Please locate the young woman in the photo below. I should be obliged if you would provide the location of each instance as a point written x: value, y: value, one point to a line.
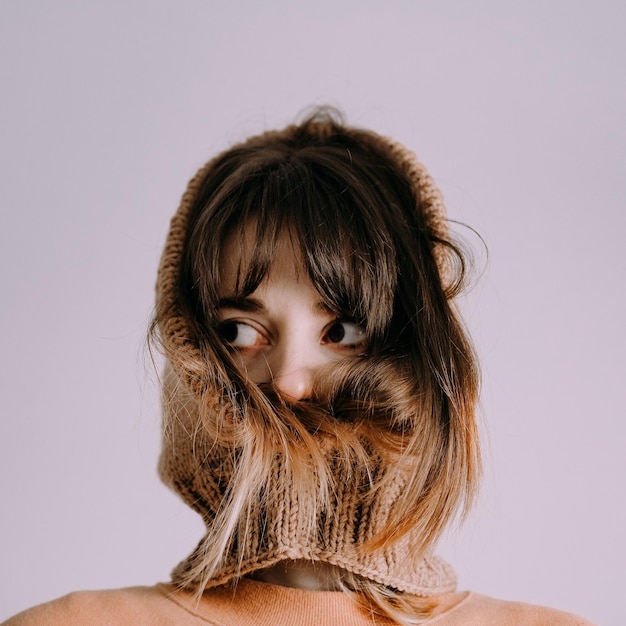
x: 318, y: 396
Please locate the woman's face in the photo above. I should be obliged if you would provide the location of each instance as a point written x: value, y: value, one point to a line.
x: 283, y: 332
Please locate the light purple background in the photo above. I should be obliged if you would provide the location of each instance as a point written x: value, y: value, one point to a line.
x: 107, y: 108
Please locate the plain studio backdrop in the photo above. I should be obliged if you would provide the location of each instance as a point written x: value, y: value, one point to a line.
x: 108, y: 108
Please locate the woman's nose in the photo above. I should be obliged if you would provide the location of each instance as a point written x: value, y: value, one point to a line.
x: 293, y: 383
x: 294, y: 386
x: 293, y: 371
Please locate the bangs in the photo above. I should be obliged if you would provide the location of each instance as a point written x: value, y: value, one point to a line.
x: 334, y: 228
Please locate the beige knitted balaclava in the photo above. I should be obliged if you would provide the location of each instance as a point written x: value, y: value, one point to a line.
x: 200, y: 471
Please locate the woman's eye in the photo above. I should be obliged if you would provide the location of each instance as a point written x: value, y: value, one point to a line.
x: 240, y: 334
x: 348, y: 334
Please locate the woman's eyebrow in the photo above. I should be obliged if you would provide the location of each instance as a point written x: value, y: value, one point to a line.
x: 249, y: 305
x: 320, y: 307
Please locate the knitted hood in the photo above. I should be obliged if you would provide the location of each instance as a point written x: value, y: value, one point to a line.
x: 201, y: 470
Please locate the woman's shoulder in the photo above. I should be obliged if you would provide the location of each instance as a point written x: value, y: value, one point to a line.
x: 486, y: 611
x: 133, y: 605
x: 160, y: 605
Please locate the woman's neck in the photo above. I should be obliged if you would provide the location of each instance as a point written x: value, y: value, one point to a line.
x: 301, y: 574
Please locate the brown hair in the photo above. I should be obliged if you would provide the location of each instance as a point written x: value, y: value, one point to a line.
x: 375, y: 245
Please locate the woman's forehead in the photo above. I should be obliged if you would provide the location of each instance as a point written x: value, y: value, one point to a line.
x: 241, y: 248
